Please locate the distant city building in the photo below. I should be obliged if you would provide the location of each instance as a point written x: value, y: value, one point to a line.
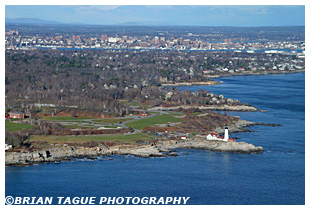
x: 113, y: 39
x: 156, y: 40
x: 12, y: 33
x: 228, y: 41
x: 104, y: 38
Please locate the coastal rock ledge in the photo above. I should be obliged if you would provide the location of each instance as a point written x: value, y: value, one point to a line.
x: 161, y: 149
x: 220, y: 146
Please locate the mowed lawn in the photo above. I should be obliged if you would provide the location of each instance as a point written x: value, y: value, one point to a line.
x: 80, y: 119
x: 152, y: 121
x: 128, y: 138
x: 10, y: 126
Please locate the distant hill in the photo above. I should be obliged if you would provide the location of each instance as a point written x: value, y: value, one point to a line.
x: 34, y: 21
x: 28, y: 21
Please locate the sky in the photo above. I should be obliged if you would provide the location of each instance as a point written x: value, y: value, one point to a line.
x: 204, y: 15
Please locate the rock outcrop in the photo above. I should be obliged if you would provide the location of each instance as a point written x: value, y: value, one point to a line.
x: 51, y: 154
x: 219, y: 146
x: 161, y: 149
x: 225, y: 107
x: 207, y: 83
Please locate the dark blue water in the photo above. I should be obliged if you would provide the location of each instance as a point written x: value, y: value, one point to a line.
x: 276, y: 176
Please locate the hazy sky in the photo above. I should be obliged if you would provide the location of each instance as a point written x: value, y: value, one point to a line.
x: 251, y: 15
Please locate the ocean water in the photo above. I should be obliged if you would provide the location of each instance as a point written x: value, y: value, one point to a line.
x: 276, y: 176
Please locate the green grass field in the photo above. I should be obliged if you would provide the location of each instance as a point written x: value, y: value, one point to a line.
x: 80, y: 119
x: 111, y: 120
x: 10, y: 126
x: 128, y: 138
x: 197, y: 113
x: 151, y: 121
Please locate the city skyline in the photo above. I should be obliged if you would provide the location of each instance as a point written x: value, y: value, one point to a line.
x: 198, y: 15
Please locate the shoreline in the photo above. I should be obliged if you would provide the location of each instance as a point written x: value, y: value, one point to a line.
x: 254, y: 73
x: 206, y: 83
x: 162, y: 148
x: 239, y: 108
x: 212, y: 82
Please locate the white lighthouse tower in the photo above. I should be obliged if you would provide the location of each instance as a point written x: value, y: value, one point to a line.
x: 226, y: 136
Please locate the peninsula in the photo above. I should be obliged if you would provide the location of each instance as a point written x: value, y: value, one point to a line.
x: 75, y: 92
x: 149, y: 137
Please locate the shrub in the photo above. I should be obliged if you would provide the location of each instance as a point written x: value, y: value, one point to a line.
x: 17, y: 140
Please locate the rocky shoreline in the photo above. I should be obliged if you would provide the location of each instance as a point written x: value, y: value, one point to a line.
x: 219, y: 146
x: 247, y: 73
x: 239, y: 108
x: 163, y: 148
x: 250, y: 73
x: 207, y: 83
x: 58, y: 152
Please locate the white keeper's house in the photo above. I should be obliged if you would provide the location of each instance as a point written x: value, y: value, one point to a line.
x: 215, y: 136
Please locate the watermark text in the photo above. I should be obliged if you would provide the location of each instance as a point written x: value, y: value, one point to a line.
x: 9, y: 200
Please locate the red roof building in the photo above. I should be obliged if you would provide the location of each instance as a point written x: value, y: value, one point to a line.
x: 225, y: 138
x: 17, y: 115
x: 231, y: 140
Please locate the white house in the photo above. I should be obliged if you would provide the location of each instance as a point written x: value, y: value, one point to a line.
x: 8, y: 146
x: 214, y: 136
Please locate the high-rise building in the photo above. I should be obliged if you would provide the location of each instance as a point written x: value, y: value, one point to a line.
x: 228, y: 41
x: 156, y: 40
